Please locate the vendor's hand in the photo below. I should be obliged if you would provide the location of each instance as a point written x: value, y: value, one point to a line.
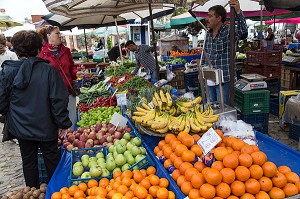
x: 236, y: 5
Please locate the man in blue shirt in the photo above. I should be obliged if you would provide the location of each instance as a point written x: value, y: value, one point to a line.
x: 217, y: 45
x: 144, y: 57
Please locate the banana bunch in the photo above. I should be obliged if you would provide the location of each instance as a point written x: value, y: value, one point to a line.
x: 206, y: 117
x: 185, y: 107
x: 163, y: 102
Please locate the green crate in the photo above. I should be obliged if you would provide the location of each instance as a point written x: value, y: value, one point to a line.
x: 252, y: 102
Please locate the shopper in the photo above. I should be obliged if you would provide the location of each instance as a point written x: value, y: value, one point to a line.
x: 5, y: 53
x: 217, y: 45
x: 9, y: 45
x: 114, y: 53
x: 60, y: 56
x: 270, y: 39
x: 35, y: 100
x: 144, y: 58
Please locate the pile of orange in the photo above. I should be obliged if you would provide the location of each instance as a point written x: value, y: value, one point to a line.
x: 136, y: 184
x: 240, y: 170
x: 182, y: 53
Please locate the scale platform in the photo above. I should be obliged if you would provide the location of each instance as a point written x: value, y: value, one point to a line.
x: 251, y: 82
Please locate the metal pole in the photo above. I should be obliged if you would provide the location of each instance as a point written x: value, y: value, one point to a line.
x: 232, y: 56
x: 118, y: 37
x: 261, y: 3
x: 154, y: 43
x: 86, y: 49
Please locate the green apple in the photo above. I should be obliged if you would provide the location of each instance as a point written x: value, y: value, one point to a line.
x: 125, y: 167
x: 110, y: 164
x: 120, y: 160
x: 126, y: 153
x: 143, y: 150
x: 105, y: 172
x: 102, y: 165
x: 78, y: 170
x: 121, y: 148
x: 95, y: 171
x: 100, y: 155
x: 85, y: 157
x: 100, y: 160
x: 111, y: 148
x: 109, y: 155
x: 116, y: 169
x: 77, y: 164
x: 139, y: 157
x: 130, y: 159
x: 86, y: 175
x: 137, y: 141
x: 123, y: 141
x: 117, y: 142
x: 85, y: 162
x: 129, y: 145
x: 135, y: 150
x: 115, y: 154
x: 93, y: 159
x: 92, y: 163
x: 127, y: 136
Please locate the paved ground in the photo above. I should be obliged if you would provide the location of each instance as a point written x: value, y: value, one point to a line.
x: 11, y: 175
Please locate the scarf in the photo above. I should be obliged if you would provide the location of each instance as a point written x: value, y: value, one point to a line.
x: 52, y: 47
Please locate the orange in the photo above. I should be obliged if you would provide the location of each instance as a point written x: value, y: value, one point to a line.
x: 186, y: 187
x: 197, y: 149
x: 101, y: 191
x: 122, y: 189
x: 199, y: 166
x: 156, y: 149
x: 180, y: 180
x: 279, y: 180
x: 242, y: 173
x: 111, y: 193
x: 284, y: 169
x: 140, y: 192
x: 153, y: 191
x: 170, y: 137
x: 290, y: 189
x: 270, y: 169
x: 154, y: 180
x: 276, y: 193
x: 179, y: 149
x: 259, y: 157
x: 117, y: 196
x: 79, y: 194
x: 167, y: 163
x: 265, y: 184
x: 171, y: 195
x: 126, y: 181
x: 247, y: 149
x: 262, y: 195
x: 220, y: 133
x: 237, y: 144
x: 173, y: 156
x: 117, y: 174
x: 174, y: 144
x: 161, y: 144
x: 56, y: 195
x: 223, y: 190
x: 65, y: 196
x: 245, y: 159
x: 188, y: 156
x: 197, y: 180
x: 175, y: 174
x: 146, y: 183
x: 230, y: 161
x: 256, y: 171
x: 163, y: 182
x: 196, y: 137
x: 194, y: 194
x: 207, y: 191
x: 162, y: 193
x: 177, y: 162
x: 127, y: 173
x: 247, y: 196
x: 292, y: 177
x: 189, y: 173
x: 232, y: 197
x: 102, y: 183
x: 212, y: 176
x: 184, y: 166
x: 73, y: 189
x: 218, y: 165
x: 167, y: 151
x: 138, y: 177
x: 64, y: 190
x: 238, y: 188
x: 220, y: 153
x: 228, y: 175
x: 252, y: 186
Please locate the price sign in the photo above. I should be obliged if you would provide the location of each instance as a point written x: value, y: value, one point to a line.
x: 121, y: 79
x: 121, y: 99
x: 209, y: 140
x: 118, y: 120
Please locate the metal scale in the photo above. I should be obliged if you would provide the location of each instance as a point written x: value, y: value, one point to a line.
x: 251, y: 82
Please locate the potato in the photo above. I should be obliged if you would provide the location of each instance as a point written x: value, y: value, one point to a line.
x: 43, y: 189
x: 33, y: 188
x: 36, y: 193
x: 26, y: 189
x: 19, y: 195
x: 4, y: 197
x: 42, y: 196
x: 29, y: 193
x: 31, y: 197
x: 43, y: 185
x: 26, y: 196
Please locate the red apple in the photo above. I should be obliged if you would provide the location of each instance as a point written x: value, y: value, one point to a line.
x: 83, y: 137
x: 81, y: 144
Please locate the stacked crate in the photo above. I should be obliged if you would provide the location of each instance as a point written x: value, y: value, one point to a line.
x: 253, y: 108
x: 191, y: 83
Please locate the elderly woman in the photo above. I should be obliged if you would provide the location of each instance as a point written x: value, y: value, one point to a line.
x: 5, y: 53
x: 35, y: 100
x: 60, y: 57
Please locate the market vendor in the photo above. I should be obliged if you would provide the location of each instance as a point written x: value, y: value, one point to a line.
x: 217, y: 45
x: 270, y: 39
x: 144, y: 57
x: 114, y: 53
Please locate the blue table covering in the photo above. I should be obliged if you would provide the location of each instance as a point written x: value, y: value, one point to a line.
x: 293, y: 45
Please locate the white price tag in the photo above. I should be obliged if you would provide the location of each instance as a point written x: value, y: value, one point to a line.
x: 121, y: 99
x: 121, y: 79
x: 209, y: 140
x: 118, y: 120
x: 106, y: 80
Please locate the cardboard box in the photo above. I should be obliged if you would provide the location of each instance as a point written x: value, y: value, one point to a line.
x: 283, y: 97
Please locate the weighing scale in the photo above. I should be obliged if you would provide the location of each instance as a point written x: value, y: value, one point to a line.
x: 189, y: 68
x: 251, y: 82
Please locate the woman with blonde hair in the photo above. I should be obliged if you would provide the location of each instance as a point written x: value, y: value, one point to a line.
x: 60, y: 57
x: 5, y: 54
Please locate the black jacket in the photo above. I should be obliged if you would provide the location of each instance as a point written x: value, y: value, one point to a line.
x: 114, y: 53
x: 38, y: 102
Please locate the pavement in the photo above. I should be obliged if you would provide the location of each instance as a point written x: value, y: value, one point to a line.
x: 11, y: 174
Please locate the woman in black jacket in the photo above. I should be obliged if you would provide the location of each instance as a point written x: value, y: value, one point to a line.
x: 34, y: 98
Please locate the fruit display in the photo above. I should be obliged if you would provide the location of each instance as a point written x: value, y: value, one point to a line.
x: 97, y: 115
x: 28, y: 193
x: 101, y: 134
x: 235, y: 170
x: 99, y: 102
x: 162, y: 114
x: 139, y: 184
x: 182, y: 53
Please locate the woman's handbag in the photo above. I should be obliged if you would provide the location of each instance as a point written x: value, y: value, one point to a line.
x: 74, y: 86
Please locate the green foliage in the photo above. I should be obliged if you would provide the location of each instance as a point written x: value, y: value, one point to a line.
x: 194, y: 28
x: 181, y: 10
x: 109, y: 43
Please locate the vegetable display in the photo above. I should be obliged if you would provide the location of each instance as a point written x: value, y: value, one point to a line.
x: 89, y: 95
x: 99, y: 102
x: 135, y: 82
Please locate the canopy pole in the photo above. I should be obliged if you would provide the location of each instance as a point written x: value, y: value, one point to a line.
x: 232, y: 56
x: 261, y: 3
x: 154, y: 43
x: 85, y: 41
x: 116, y: 24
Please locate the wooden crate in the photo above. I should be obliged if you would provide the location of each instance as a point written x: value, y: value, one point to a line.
x: 178, y: 80
x: 290, y: 78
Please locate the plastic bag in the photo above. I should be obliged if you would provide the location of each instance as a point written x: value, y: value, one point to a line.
x: 170, y: 75
x: 291, y: 112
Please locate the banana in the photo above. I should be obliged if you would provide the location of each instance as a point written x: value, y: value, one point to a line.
x: 155, y: 103
x: 145, y: 106
x: 162, y: 97
x: 138, y: 113
x: 149, y: 116
x: 187, y: 125
x: 182, y: 124
x: 172, y: 121
x: 191, y: 104
x: 194, y: 127
x: 175, y: 124
x: 184, y: 109
x: 172, y: 110
x: 164, y: 130
x: 158, y: 100
x: 203, y: 126
x: 141, y: 109
x: 169, y: 99
x: 160, y: 122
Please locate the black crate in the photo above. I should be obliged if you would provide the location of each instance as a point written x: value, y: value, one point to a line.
x: 294, y: 131
x: 191, y: 83
x: 273, y: 85
x: 260, y: 122
x: 274, y: 105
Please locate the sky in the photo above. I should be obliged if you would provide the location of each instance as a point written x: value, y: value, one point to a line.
x: 20, y: 9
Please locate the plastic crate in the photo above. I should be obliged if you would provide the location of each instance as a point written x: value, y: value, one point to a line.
x: 260, y: 122
x: 187, y: 58
x: 271, y: 58
x: 43, y: 176
x: 76, y: 156
x: 268, y: 71
x: 176, y: 66
x: 273, y: 85
x: 252, y: 102
x: 294, y: 131
x: 191, y: 83
x: 274, y: 105
x: 178, y: 80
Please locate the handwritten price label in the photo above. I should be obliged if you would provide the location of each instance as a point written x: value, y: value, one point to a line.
x: 121, y: 99
x: 209, y: 140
